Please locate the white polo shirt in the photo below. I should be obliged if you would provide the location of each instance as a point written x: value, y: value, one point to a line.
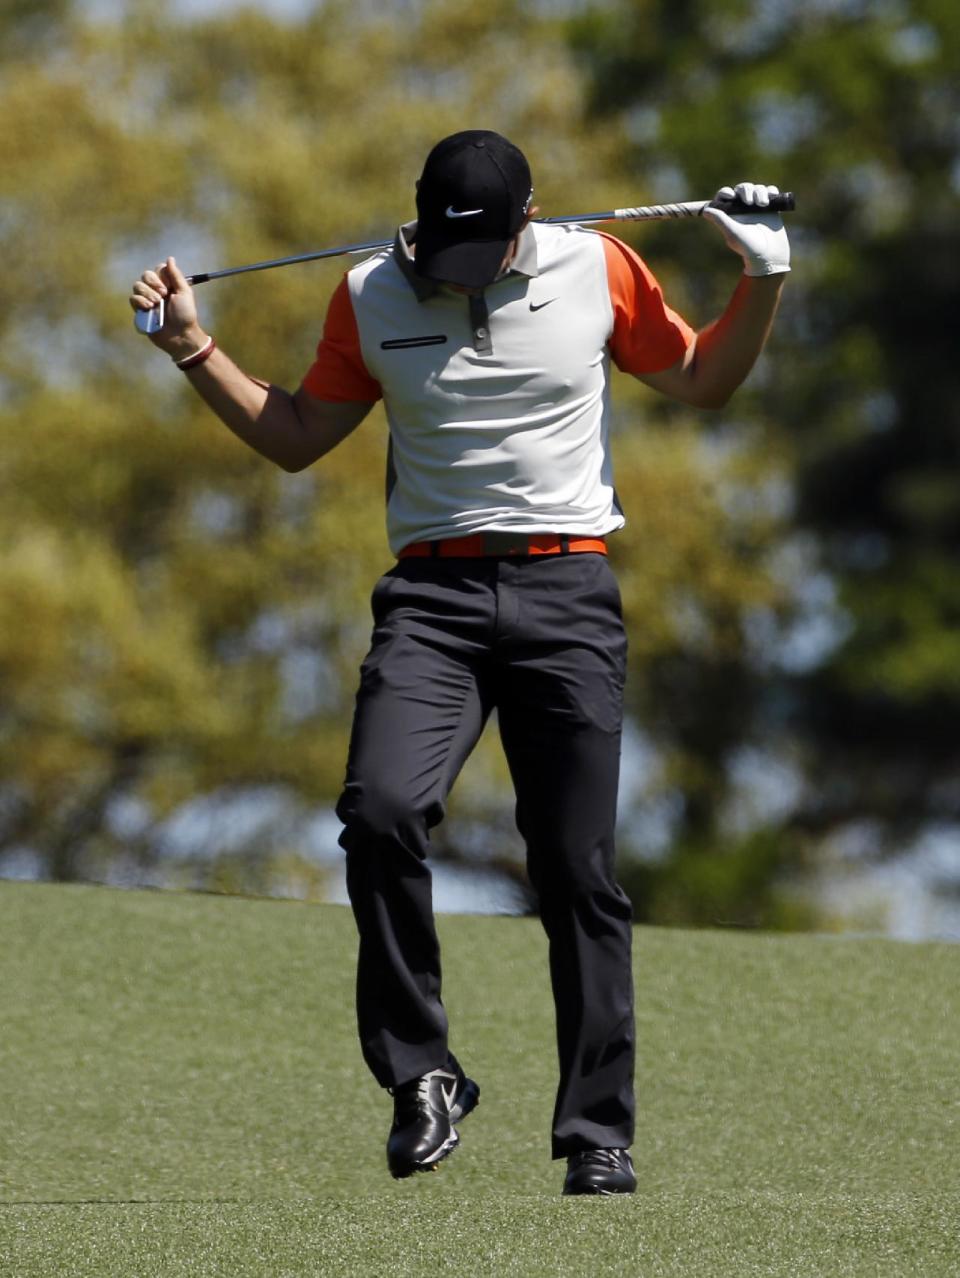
x: 498, y: 404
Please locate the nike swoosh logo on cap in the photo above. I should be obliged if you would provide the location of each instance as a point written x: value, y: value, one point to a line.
x: 452, y: 212
x: 538, y: 306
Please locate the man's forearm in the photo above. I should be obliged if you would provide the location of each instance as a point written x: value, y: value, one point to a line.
x: 727, y: 349
x: 263, y: 416
x: 291, y: 430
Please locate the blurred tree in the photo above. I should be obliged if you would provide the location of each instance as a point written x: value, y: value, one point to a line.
x: 854, y: 105
x: 181, y: 620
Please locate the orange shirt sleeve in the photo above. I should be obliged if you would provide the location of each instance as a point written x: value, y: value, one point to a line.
x: 647, y: 335
x: 338, y: 373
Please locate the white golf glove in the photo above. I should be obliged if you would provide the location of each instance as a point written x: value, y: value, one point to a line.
x: 759, y: 237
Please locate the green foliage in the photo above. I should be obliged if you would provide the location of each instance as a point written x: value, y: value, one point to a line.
x: 854, y: 106
x: 733, y: 882
x: 179, y: 620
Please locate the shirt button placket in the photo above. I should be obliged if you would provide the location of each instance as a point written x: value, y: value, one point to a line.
x: 480, y: 324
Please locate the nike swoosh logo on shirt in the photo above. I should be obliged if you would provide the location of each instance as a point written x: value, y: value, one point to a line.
x: 452, y: 212
x: 538, y: 306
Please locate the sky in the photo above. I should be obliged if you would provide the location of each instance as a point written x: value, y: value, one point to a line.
x: 109, y: 9
x: 282, y: 8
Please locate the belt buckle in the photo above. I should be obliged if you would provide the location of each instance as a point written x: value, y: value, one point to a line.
x: 505, y: 543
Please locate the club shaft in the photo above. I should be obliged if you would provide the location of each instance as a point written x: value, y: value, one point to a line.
x: 644, y: 213
x: 370, y: 247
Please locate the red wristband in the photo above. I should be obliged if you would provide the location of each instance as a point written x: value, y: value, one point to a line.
x: 197, y: 358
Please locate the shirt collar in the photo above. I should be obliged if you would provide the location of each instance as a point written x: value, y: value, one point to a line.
x: 524, y: 260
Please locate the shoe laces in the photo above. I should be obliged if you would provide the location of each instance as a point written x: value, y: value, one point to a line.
x: 411, y: 1099
x: 612, y: 1158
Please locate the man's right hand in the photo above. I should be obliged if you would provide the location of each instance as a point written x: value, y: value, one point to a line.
x: 181, y: 334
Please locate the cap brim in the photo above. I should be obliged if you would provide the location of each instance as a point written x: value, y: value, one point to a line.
x: 471, y: 263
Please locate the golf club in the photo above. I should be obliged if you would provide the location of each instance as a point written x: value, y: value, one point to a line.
x: 152, y: 321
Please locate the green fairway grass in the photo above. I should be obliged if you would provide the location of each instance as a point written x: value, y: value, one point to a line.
x: 181, y: 1093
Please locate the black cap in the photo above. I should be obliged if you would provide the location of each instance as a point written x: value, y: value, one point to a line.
x: 473, y: 194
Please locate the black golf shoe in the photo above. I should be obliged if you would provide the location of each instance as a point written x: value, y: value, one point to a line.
x: 600, y: 1171
x: 424, y: 1113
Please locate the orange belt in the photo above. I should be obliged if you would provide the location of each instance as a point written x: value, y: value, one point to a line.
x: 482, y: 544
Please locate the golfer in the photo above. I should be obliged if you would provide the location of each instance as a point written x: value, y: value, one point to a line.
x: 489, y: 338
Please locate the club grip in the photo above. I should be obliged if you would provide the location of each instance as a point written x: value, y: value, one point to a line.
x: 785, y: 202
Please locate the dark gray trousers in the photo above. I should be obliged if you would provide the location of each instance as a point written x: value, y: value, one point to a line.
x: 540, y: 639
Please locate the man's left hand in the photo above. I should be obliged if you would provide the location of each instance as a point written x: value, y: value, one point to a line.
x: 759, y: 236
